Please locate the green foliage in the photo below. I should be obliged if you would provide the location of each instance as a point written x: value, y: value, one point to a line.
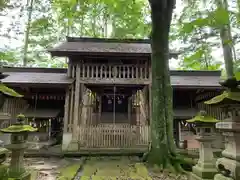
x: 236, y: 75
x: 8, y: 91
x: 53, y: 20
x: 3, y: 4
x: 215, y: 19
x: 218, y: 18
x: 198, y: 26
x: 8, y: 56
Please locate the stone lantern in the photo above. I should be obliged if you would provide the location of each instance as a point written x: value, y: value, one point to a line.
x: 205, y: 168
x: 229, y: 165
x: 4, y: 117
x: 19, y: 133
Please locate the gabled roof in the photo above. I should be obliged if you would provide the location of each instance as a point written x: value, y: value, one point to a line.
x: 106, y: 47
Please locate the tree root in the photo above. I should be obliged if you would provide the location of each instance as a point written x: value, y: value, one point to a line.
x: 168, y: 161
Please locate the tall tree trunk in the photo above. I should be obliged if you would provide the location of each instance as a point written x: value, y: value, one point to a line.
x: 26, y: 41
x: 105, y: 19
x: 226, y: 39
x: 162, y: 140
x: 94, y: 20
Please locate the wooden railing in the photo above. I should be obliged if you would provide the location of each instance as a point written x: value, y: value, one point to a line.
x: 113, y: 136
x: 14, y: 106
x: 114, y: 71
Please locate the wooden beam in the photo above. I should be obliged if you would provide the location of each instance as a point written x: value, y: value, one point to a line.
x: 69, y: 70
x: 150, y: 103
x: 72, y: 101
x: 85, y: 107
x: 71, y: 109
x: 114, y: 81
x: 76, y: 103
x: 66, y: 111
x: 129, y: 109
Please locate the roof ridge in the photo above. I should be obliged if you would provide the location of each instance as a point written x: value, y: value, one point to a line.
x: 107, y: 40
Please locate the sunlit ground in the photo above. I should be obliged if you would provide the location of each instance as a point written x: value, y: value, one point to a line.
x: 95, y: 168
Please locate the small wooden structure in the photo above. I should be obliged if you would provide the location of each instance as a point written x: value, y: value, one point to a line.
x: 108, y: 104
x: 43, y: 101
x: 106, y: 94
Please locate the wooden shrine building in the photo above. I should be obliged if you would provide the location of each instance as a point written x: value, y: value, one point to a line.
x: 103, y: 98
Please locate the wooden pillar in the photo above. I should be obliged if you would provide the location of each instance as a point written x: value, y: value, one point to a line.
x: 150, y: 92
x: 91, y: 110
x: 100, y: 108
x: 177, y: 127
x: 146, y: 101
x: 66, y: 111
x: 76, y: 103
x: 69, y: 71
x: 150, y: 103
x: 180, y: 131
x: 84, y: 106
x: 81, y: 105
x: 72, y: 100
x: 71, y: 108
x: 129, y: 109
x: 137, y: 109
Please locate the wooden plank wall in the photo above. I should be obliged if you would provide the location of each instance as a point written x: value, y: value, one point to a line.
x: 212, y: 111
x: 113, y: 136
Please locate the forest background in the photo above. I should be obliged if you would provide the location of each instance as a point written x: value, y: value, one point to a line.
x: 29, y: 27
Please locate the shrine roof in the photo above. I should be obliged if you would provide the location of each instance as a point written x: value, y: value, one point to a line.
x: 105, y: 47
x: 36, y: 78
x: 179, y: 78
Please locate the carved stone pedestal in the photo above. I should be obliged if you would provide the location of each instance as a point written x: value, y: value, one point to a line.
x: 205, y: 168
x: 229, y: 164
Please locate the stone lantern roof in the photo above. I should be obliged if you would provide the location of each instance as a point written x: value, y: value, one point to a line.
x: 19, y: 127
x: 224, y: 98
x: 202, y: 117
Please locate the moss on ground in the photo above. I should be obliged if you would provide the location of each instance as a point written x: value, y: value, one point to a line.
x: 68, y: 173
x: 112, y: 169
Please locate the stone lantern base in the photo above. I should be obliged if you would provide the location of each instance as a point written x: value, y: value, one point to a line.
x: 221, y: 177
x: 203, y: 173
